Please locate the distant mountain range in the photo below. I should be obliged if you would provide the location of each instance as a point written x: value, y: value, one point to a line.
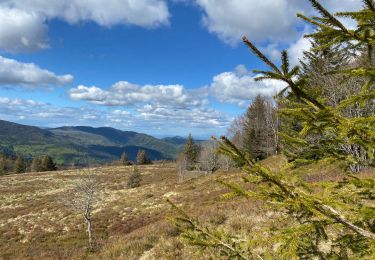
x: 79, y: 144
x: 178, y: 140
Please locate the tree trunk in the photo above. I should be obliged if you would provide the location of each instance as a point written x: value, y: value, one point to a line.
x: 89, y: 232
x: 88, y: 223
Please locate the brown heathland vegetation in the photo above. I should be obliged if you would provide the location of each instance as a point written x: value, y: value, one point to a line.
x: 128, y: 223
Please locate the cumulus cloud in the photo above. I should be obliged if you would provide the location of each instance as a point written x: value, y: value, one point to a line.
x: 157, y: 105
x: 234, y: 87
x: 24, y: 23
x: 260, y: 20
x: 198, y: 117
x: 124, y: 93
x: 266, y: 20
x: 239, y: 87
x: 110, y: 12
x: 29, y: 75
x: 21, y: 30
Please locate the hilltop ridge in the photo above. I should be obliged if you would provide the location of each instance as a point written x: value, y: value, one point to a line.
x: 70, y: 144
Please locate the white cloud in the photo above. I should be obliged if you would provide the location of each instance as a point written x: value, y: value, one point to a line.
x: 197, y: 117
x: 21, y: 30
x: 119, y: 112
x: 158, y: 106
x: 124, y: 93
x: 240, y: 88
x: 272, y: 51
x: 259, y: 20
x: 92, y: 94
x: 235, y: 87
x: 149, y: 118
x: 241, y: 70
x: 106, y: 13
x: 13, y: 72
x: 266, y: 20
x: 297, y: 48
x: 17, y: 102
x: 48, y: 115
x: 24, y: 23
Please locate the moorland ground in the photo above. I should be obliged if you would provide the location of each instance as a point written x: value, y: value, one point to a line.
x: 129, y: 223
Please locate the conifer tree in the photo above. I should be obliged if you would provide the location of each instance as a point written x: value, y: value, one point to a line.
x: 124, y: 159
x: 191, y: 151
x: 36, y: 164
x: 342, y: 218
x: 142, y: 158
x: 317, y: 67
x: 47, y: 164
x: 6, y: 163
x: 258, y: 130
x: 3, y: 165
x: 20, y: 165
x: 43, y: 164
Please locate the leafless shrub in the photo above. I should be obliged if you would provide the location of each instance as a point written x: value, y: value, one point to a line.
x: 225, y: 162
x: 83, y: 199
x: 181, y: 165
x: 209, y: 158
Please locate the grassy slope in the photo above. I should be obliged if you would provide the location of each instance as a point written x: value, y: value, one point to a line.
x: 128, y: 223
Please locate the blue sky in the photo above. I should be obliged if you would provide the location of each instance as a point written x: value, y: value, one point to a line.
x: 161, y: 67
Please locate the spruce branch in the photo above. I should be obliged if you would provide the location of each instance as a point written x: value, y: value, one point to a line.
x: 309, y: 20
x: 370, y: 4
x: 260, y: 55
x: 285, y: 62
x: 328, y: 15
x: 294, y: 194
x: 278, y: 75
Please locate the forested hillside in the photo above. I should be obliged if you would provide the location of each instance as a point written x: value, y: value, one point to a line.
x: 75, y: 145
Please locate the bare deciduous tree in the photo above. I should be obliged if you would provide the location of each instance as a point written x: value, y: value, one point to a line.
x: 236, y: 131
x: 83, y: 198
x: 208, y: 157
x: 181, y: 165
x: 337, y: 87
x: 225, y: 162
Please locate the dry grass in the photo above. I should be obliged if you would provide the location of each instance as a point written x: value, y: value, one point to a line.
x: 35, y: 224
x: 128, y: 223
